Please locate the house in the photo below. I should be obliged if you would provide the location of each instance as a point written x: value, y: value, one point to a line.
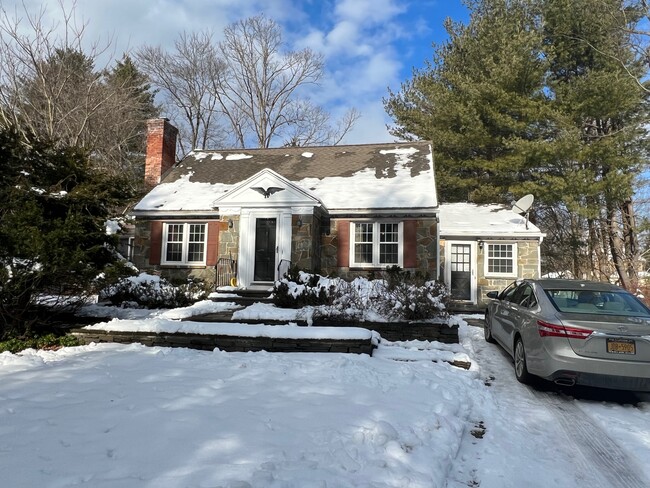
x: 245, y: 216
x: 485, y: 248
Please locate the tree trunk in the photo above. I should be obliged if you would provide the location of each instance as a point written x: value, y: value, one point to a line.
x: 617, y: 247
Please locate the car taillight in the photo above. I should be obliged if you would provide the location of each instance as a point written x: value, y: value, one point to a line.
x: 553, y: 330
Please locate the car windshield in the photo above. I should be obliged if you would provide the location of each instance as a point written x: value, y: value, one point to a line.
x: 597, y: 302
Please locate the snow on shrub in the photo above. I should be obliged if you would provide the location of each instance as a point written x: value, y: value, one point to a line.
x: 397, y: 296
x: 149, y: 291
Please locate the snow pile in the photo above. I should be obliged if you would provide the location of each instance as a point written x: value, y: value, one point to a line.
x: 112, y: 227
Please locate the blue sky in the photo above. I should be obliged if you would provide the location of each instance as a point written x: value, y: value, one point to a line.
x: 368, y: 45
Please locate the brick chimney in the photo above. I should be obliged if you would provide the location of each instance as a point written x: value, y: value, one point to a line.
x: 161, y: 150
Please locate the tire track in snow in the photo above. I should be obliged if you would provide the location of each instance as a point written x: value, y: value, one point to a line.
x: 596, y: 446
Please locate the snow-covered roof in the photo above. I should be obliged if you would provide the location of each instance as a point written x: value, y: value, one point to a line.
x: 470, y: 219
x: 367, y: 176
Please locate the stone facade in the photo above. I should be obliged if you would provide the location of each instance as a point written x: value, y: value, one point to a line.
x: 305, y: 237
x: 427, y: 247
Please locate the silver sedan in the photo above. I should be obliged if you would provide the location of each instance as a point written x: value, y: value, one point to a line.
x: 573, y: 333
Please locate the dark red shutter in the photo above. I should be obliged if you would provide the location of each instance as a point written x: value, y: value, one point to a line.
x: 343, y: 250
x: 213, y: 244
x: 155, y: 242
x: 410, y: 244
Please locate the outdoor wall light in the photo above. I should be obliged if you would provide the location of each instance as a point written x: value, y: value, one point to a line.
x: 231, y: 224
x: 480, y: 245
x: 299, y: 222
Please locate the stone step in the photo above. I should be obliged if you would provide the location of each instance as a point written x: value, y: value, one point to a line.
x: 242, y: 297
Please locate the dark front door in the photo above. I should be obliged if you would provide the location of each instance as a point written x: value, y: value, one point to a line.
x: 264, y: 250
x: 461, y: 271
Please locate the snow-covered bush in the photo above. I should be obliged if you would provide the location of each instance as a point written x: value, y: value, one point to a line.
x: 398, y: 295
x: 149, y: 291
x: 300, y: 289
x: 411, y: 296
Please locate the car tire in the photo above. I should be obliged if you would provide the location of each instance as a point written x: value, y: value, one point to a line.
x: 487, y: 329
x: 521, y: 368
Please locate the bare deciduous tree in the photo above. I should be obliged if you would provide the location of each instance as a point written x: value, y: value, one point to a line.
x: 50, y: 86
x: 186, y: 77
x: 260, y: 91
x: 243, y: 91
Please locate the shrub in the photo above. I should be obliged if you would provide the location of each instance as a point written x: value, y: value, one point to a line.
x: 300, y: 289
x: 49, y: 341
x: 148, y: 291
x: 398, y: 295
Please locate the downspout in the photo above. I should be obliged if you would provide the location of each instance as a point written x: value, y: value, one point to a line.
x: 438, y: 247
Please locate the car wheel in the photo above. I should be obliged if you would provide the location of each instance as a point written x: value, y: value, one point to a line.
x: 521, y: 370
x: 487, y: 329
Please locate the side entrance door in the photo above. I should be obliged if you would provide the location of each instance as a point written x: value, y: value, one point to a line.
x: 265, y: 249
x: 461, y: 274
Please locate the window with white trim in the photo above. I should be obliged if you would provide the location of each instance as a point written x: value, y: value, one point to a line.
x: 375, y: 244
x: 500, y: 259
x: 184, y: 243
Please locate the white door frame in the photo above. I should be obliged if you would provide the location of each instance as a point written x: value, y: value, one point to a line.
x: 473, y: 267
x: 246, y: 265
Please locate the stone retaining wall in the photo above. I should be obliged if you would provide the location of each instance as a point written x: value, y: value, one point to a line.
x: 227, y: 343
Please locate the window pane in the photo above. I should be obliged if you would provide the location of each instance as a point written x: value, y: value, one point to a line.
x: 195, y: 251
x: 363, y: 232
x: 388, y: 233
x: 388, y: 254
x: 363, y: 253
x: 174, y: 251
x: 501, y: 258
x: 175, y: 233
x: 196, y: 246
x: 174, y: 242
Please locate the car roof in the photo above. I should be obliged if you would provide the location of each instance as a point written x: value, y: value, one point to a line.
x: 564, y: 284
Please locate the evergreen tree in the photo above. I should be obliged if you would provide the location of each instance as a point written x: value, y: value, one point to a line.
x: 481, y: 102
x: 52, y: 235
x: 542, y: 97
x: 593, y: 80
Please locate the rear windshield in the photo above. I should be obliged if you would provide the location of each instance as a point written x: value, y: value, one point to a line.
x: 598, y: 302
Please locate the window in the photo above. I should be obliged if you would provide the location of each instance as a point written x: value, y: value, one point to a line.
x: 184, y: 243
x: 376, y: 244
x: 501, y: 260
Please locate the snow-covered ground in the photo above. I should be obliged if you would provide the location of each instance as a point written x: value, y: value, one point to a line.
x: 130, y: 416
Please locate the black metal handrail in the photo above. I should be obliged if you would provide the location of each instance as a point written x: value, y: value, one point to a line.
x: 226, y: 270
x: 288, y: 267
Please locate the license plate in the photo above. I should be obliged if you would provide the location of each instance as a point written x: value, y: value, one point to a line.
x: 621, y: 346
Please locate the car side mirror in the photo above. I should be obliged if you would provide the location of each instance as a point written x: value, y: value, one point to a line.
x: 493, y: 294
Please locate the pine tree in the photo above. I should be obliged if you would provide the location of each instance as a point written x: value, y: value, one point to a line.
x: 542, y: 97
x: 52, y: 236
x: 481, y: 102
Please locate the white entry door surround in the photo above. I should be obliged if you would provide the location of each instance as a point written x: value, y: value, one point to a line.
x: 265, y: 197
x: 247, y: 240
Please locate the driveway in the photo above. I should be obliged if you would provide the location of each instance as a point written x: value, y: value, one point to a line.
x: 526, y: 436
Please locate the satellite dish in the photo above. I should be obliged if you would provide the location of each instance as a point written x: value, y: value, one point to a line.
x: 522, y: 205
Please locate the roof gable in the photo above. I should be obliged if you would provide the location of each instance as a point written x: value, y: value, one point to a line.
x: 266, y: 188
